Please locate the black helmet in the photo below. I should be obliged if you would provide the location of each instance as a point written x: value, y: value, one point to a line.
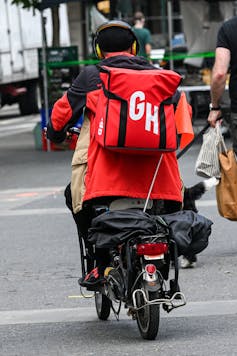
x: 115, y: 36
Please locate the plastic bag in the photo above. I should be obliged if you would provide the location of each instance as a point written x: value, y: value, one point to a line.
x: 207, y: 163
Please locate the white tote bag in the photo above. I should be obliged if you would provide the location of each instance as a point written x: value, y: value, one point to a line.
x: 207, y: 163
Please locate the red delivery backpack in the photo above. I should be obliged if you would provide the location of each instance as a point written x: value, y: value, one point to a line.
x: 135, y: 112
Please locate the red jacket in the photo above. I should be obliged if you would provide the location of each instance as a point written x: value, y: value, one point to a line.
x: 111, y: 173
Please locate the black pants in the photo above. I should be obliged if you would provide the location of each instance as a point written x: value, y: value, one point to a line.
x: 83, y: 222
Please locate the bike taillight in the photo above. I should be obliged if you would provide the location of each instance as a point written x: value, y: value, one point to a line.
x: 152, y: 249
x: 150, y: 269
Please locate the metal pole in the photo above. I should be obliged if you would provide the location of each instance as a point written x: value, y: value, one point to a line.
x: 87, y: 29
x: 235, y: 8
x: 170, y: 31
x: 45, y: 75
x: 163, y: 16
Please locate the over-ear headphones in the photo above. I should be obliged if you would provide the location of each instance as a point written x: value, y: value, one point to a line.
x: 135, y: 48
x: 119, y: 24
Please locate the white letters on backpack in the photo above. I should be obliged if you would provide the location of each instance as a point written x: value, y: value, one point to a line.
x: 101, y: 127
x: 152, y: 118
x: 138, y: 107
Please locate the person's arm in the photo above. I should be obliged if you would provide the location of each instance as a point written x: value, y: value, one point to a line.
x: 68, y: 109
x: 218, y: 82
x: 148, y: 50
x: 148, y: 44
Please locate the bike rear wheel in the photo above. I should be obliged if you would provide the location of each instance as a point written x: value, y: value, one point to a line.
x: 103, y: 305
x: 148, y: 317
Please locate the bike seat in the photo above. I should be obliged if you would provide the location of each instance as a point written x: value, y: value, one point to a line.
x: 128, y: 203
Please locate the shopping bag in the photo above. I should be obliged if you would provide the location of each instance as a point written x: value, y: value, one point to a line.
x: 226, y: 190
x: 207, y: 163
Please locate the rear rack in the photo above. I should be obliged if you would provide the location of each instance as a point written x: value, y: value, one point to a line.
x: 177, y: 300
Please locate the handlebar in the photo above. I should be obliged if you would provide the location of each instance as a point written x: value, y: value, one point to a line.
x: 74, y: 130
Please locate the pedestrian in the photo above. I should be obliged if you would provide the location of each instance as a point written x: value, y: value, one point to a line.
x: 225, y: 59
x: 143, y: 35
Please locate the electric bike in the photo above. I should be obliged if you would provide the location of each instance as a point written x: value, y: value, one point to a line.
x: 138, y: 275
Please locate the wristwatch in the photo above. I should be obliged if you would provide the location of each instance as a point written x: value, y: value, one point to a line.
x: 214, y: 108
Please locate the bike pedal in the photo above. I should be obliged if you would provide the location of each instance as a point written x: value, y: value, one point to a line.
x: 93, y: 288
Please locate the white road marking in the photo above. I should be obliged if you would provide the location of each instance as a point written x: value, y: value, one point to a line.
x: 84, y: 314
x: 11, y: 201
x: 44, y: 211
x: 205, y: 203
x: 18, y: 120
x: 19, y: 125
x: 29, y: 190
x: 28, y: 212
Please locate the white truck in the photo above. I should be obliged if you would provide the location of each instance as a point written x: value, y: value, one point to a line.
x: 20, y: 37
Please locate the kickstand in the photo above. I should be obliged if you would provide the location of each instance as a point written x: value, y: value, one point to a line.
x: 116, y: 312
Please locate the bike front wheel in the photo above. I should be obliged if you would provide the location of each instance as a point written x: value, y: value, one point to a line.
x: 103, y: 305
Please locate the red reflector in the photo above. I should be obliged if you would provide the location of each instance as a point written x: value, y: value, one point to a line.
x: 152, y: 249
x: 150, y: 269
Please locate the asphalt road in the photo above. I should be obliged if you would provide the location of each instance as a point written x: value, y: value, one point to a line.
x: 41, y: 310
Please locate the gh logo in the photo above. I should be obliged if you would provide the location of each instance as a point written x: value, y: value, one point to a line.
x: 138, y: 107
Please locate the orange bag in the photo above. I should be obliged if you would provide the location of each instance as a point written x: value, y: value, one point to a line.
x: 226, y: 190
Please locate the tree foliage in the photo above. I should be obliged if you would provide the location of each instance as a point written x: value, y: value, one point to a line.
x: 27, y: 4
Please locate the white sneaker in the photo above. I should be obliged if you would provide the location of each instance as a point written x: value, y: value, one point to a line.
x: 210, y: 183
x: 185, y: 263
